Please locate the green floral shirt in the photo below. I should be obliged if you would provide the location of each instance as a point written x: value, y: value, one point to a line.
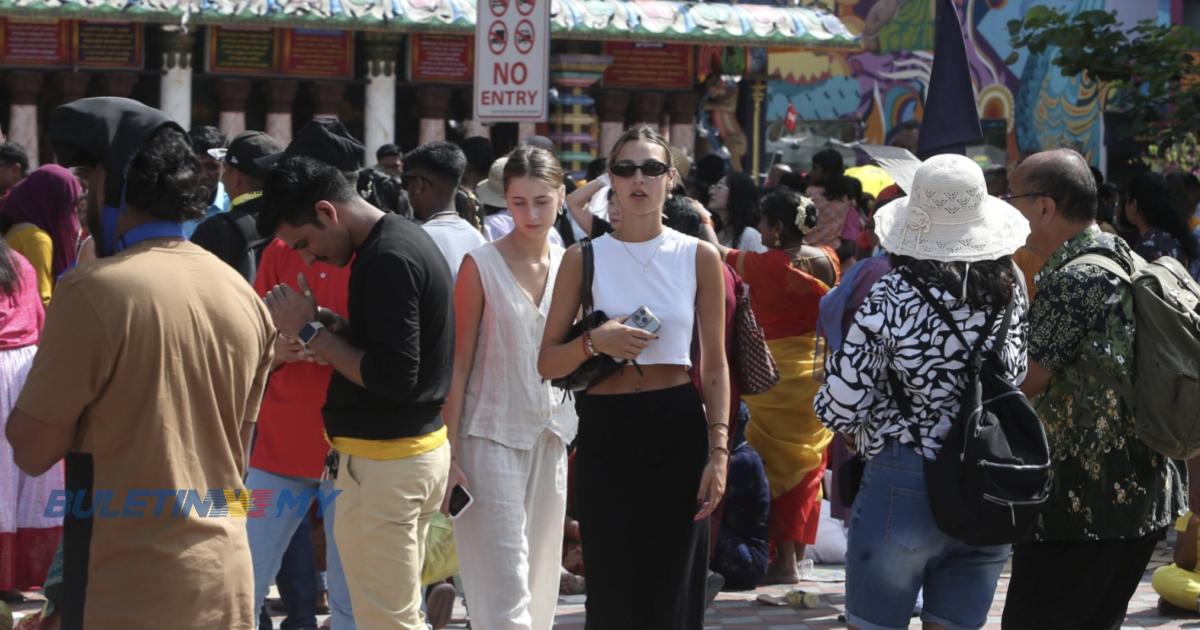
x: 1107, y: 483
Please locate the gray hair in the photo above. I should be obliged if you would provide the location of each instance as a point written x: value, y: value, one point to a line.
x: 1064, y: 176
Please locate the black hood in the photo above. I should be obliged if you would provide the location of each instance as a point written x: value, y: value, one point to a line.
x: 107, y: 130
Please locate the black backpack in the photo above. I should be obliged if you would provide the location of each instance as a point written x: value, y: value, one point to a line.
x: 989, y: 480
x: 253, y: 243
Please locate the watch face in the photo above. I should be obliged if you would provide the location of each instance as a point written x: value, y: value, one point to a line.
x: 307, y: 333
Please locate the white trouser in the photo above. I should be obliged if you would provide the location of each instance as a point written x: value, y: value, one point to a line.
x: 510, y: 539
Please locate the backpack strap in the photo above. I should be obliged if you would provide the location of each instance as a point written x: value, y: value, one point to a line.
x: 1104, y: 262
x: 939, y: 307
x: 1108, y: 264
x: 1005, y: 324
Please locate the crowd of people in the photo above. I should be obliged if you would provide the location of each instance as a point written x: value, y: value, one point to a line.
x: 486, y: 362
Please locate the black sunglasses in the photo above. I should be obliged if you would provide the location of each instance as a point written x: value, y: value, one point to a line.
x: 649, y: 168
x: 1008, y: 197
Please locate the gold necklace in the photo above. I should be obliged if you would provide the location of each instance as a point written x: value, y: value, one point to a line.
x: 645, y: 265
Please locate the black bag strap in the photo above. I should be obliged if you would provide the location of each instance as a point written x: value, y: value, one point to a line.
x: 1002, y: 334
x: 944, y: 314
x: 939, y: 307
x: 589, y: 271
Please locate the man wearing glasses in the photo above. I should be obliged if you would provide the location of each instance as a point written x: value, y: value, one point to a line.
x: 1028, y: 261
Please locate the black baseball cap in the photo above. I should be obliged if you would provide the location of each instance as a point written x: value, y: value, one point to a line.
x: 245, y: 150
x: 324, y: 139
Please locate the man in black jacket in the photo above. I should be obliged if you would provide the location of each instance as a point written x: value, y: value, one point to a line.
x: 232, y: 236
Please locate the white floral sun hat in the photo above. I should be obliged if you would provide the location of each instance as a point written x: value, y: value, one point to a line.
x: 949, y: 216
x: 490, y: 192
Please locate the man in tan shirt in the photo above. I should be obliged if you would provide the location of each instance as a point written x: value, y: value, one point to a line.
x: 148, y: 381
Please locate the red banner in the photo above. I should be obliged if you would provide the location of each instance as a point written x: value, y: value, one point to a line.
x: 318, y: 53
x: 441, y: 58
x: 644, y: 65
x: 35, y: 42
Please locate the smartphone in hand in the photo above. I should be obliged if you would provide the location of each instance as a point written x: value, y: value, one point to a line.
x: 460, y: 500
x: 644, y: 319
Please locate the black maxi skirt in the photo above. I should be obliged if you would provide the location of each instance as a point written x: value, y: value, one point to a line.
x: 638, y: 468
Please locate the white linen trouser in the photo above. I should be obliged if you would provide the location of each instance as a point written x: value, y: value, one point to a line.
x: 510, y: 539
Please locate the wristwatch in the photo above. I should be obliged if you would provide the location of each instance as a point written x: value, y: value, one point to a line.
x: 309, y: 332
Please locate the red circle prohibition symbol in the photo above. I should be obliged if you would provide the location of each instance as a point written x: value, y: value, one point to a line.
x: 525, y: 7
x: 497, y: 37
x: 523, y: 36
x: 498, y: 7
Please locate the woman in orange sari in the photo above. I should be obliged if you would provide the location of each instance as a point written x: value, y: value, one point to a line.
x: 786, y: 286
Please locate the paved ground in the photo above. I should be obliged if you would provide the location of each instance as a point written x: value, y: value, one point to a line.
x: 739, y: 610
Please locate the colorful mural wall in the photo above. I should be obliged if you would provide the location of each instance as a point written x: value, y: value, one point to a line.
x: 882, y: 84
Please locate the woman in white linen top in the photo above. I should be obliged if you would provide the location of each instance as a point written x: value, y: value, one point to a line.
x: 508, y: 428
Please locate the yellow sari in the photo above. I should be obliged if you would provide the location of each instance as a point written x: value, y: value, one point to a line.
x: 783, y: 427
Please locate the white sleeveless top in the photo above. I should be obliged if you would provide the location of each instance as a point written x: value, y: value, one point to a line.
x: 507, y: 401
x: 659, y: 274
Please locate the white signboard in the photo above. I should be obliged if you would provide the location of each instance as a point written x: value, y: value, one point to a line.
x: 512, y: 60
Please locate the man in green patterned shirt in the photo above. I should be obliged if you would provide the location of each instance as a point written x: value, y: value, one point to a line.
x: 1112, y: 496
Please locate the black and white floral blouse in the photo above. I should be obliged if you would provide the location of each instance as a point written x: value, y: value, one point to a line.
x: 895, y: 328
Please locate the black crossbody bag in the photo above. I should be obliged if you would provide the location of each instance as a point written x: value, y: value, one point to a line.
x: 601, y: 365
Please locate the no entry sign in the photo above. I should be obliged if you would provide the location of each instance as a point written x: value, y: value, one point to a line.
x: 512, y: 54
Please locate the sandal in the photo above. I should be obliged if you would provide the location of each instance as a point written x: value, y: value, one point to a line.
x: 440, y: 605
x: 795, y: 598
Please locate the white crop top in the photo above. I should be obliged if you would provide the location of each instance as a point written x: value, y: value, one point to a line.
x: 659, y: 274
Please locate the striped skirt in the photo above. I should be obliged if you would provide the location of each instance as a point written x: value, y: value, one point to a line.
x: 28, y: 537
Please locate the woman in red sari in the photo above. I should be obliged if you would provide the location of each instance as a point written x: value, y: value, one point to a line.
x: 786, y: 285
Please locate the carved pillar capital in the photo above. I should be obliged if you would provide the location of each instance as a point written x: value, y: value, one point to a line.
x: 118, y: 83
x: 648, y: 107
x: 71, y: 86
x: 280, y: 94
x: 232, y: 94
x: 327, y: 98
x: 25, y: 87
x: 434, y: 103
x: 683, y: 106
x: 382, y: 50
x: 612, y: 105
x: 177, y: 48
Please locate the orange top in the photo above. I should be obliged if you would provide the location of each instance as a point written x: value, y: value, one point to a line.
x: 785, y: 298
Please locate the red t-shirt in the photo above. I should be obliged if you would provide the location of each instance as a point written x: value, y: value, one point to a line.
x: 291, y: 430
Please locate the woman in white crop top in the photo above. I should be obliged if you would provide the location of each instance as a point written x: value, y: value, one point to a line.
x: 508, y: 428
x: 650, y: 466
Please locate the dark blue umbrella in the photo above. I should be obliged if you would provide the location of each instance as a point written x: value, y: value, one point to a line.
x: 951, y: 119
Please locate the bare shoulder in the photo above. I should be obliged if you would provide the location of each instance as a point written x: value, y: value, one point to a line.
x: 707, y: 256
x: 573, y: 257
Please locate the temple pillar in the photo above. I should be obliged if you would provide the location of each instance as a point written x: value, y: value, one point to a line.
x: 231, y: 97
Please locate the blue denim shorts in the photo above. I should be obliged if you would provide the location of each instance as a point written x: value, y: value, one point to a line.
x: 895, y: 548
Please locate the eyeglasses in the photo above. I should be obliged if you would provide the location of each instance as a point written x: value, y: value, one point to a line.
x: 720, y: 186
x: 1009, y: 197
x: 649, y: 168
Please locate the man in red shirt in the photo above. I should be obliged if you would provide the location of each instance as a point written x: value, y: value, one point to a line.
x: 290, y: 448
